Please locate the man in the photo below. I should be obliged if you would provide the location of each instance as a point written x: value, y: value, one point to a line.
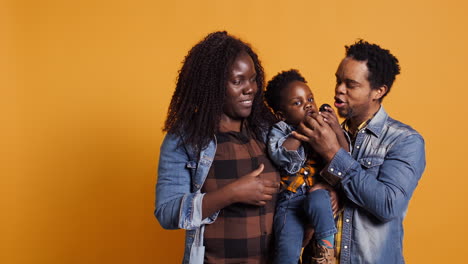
x: 385, y: 162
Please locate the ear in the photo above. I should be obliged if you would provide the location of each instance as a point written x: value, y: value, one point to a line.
x: 280, y: 115
x: 380, y: 92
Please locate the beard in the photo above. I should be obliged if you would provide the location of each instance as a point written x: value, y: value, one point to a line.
x: 346, y: 112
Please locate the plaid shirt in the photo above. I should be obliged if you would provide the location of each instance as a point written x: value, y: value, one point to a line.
x: 242, y: 233
x: 339, y: 227
x: 304, y: 175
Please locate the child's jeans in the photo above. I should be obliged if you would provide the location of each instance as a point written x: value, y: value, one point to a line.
x: 293, y: 212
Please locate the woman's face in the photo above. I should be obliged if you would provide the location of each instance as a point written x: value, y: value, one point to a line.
x: 241, y: 88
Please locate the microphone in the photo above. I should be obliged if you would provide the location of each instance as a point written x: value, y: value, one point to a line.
x: 322, y: 108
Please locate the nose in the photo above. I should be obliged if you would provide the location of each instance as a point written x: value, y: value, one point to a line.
x: 250, y: 88
x: 308, y: 105
x: 340, y: 88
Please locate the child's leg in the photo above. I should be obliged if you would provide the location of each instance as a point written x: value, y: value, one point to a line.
x: 319, y: 211
x: 288, y: 226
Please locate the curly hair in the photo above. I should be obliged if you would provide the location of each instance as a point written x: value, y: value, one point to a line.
x: 382, y: 65
x: 277, y: 84
x: 197, y: 103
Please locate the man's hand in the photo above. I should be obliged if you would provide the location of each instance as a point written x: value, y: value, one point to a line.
x: 330, y: 117
x: 319, y: 135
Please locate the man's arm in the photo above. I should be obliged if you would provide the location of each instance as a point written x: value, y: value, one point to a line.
x: 381, y: 187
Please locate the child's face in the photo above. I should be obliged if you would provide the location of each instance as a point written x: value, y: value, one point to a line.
x: 297, y: 102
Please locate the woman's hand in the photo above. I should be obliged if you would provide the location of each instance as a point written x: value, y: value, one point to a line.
x: 252, y: 189
x: 249, y: 189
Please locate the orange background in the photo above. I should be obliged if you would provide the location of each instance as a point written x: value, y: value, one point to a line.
x: 85, y: 87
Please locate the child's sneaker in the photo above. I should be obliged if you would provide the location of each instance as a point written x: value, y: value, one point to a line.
x: 323, y: 255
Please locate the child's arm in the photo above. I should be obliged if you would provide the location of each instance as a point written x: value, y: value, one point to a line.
x: 291, y: 143
x: 285, y: 151
x: 331, y: 118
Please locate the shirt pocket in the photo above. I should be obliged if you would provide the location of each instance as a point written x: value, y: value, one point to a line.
x: 371, y: 162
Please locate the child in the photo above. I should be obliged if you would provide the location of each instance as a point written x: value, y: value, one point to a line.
x: 291, y: 100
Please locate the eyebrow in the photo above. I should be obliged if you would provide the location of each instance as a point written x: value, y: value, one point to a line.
x: 299, y: 97
x: 238, y: 74
x: 352, y: 81
x: 347, y: 80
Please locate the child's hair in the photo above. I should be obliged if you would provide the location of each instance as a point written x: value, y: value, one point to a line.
x: 277, y: 84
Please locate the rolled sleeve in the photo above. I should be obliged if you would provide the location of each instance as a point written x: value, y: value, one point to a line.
x: 386, y: 189
x: 193, y: 203
x: 176, y: 205
x: 290, y: 161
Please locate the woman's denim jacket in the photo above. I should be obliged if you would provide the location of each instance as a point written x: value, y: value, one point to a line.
x: 181, y: 175
x: 178, y: 198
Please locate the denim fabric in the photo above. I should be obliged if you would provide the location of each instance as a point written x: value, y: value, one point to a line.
x: 293, y: 212
x: 378, y: 179
x: 178, y: 198
x: 289, y: 161
x: 320, y: 214
x: 181, y: 175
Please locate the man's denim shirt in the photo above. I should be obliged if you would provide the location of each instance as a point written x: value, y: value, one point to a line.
x: 178, y: 198
x: 378, y: 179
x: 289, y: 161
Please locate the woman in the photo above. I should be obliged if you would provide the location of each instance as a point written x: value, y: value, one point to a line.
x: 215, y: 179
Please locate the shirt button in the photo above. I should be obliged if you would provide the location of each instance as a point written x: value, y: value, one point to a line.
x: 357, y: 147
x: 363, y: 131
x: 339, y: 173
x: 331, y: 169
x: 347, y: 220
x: 368, y: 163
x: 345, y: 247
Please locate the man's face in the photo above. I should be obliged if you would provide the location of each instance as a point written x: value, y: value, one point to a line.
x: 354, y: 97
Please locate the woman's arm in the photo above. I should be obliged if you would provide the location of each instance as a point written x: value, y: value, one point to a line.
x: 249, y: 189
x: 178, y: 207
x: 174, y: 200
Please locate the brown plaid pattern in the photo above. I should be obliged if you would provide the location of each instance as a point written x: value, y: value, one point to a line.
x: 242, y: 233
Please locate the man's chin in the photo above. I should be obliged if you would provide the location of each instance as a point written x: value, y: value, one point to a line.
x: 342, y: 113
x: 345, y: 113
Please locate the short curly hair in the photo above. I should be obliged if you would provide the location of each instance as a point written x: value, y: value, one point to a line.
x: 382, y: 65
x: 277, y: 84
